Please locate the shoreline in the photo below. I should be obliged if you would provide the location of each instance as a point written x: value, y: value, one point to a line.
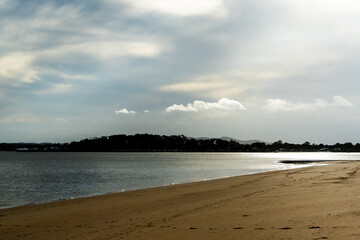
x: 310, y: 163
x: 318, y: 202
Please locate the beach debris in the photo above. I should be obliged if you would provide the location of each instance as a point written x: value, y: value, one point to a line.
x: 238, y: 228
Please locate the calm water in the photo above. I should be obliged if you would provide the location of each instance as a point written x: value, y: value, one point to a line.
x: 35, y: 177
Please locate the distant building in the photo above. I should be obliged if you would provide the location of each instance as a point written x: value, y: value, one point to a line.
x: 27, y: 149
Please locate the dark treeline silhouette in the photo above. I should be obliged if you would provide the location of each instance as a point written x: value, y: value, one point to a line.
x: 180, y: 143
x: 147, y: 142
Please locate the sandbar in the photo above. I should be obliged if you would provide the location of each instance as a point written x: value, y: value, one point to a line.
x: 319, y: 202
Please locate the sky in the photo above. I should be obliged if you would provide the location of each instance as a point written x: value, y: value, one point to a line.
x: 249, y: 69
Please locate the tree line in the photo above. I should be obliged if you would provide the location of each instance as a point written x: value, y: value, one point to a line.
x: 179, y: 143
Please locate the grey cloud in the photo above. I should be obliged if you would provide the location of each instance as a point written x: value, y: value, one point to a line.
x: 184, y: 8
x: 281, y: 105
x: 99, y: 55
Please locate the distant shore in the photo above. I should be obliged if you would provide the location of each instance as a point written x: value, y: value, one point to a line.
x: 175, y: 143
x: 320, y: 202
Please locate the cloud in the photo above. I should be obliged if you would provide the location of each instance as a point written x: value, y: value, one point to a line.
x: 49, y: 33
x: 7, y: 4
x: 44, y: 25
x: 57, y: 88
x: 61, y: 119
x: 20, y: 118
x: 281, y: 105
x: 125, y: 111
x: 109, y: 49
x: 184, y: 8
x: 342, y: 102
x: 223, y: 104
x: 64, y: 75
x: 227, y: 83
x: 17, y: 68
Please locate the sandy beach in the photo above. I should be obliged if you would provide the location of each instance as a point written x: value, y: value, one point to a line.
x: 320, y: 202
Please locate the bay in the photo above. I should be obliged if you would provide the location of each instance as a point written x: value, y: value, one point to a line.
x: 37, y: 177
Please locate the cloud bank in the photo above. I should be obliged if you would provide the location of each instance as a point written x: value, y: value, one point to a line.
x: 57, y: 88
x: 223, y: 104
x: 227, y: 83
x: 184, y: 8
x: 281, y: 105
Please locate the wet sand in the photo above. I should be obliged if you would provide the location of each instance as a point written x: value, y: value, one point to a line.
x: 321, y: 202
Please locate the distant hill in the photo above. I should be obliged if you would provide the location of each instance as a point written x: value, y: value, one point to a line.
x: 236, y: 140
x: 175, y: 143
x: 243, y: 141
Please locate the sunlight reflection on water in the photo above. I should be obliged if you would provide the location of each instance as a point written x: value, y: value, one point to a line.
x: 42, y: 177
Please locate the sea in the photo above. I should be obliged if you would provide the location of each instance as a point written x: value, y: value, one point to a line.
x: 38, y: 177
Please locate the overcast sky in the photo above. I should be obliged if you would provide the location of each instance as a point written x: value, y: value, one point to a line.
x: 248, y: 69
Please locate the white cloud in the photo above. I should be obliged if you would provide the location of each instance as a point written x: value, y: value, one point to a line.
x: 62, y: 119
x: 223, y: 104
x: 281, y: 105
x: 184, y: 8
x: 114, y: 49
x: 75, y: 76
x: 125, y: 111
x: 65, y: 75
x: 228, y: 83
x: 342, y: 102
x: 110, y: 49
x: 20, y: 118
x: 57, y: 88
x: 16, y: 68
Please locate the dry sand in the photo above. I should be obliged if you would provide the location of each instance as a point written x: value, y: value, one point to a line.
x: 320, y: 202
